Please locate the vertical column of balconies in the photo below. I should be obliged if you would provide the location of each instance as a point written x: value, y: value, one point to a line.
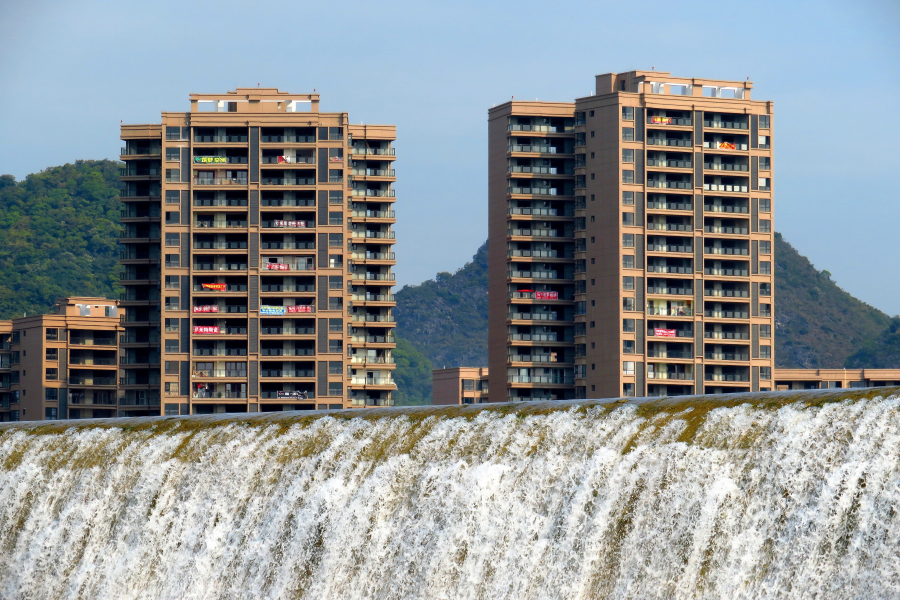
x: 6, y: 398
x: 214, y: 316
x: 291, y: 219
x: 140, y: 273
x: 580, y: 255
x: 541, y: 266
x: 371, y: 217
x: 670, y: 280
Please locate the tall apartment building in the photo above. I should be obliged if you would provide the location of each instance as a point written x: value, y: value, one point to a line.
x: 61, y: 365
x: 257, y: 257
x: 652, y: 275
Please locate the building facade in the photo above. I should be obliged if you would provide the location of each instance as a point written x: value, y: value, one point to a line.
x: 257, y: 258
x: 654, y: 272
x: 62, y: 365
x: 459, y: 385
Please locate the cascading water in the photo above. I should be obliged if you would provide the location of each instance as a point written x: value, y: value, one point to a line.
x: 744, y: 496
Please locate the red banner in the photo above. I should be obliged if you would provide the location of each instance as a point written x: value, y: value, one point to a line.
x: 300, y: 308
x: 664, y: 332
x: 546, y: 295
x: 206, y: 329
x: 214, y: 286
x: 663, y: 120
x: 285, y: 159
x: 278, y: 266
x: 206, y: 309
x: 725, y: 145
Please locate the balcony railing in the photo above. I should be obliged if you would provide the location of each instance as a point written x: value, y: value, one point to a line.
x: 373, y: 297
x: 726, y: 335
x: 672, y: 164
x: 92, y: 380
x: 220, y: 267
x: 372, y: 318
x: 536, y: 274
x: 220, y: 181
x: 287, y: 202
x: 668, y: 269
x: 373, y: 214
x: 540, y: 191
x: 534, y: 358
x: 287, y: 180
x: 373, y: 172
x: 726, y: 230
x: 534, y: 316
x: 727, y: 251
x: 540, y: 233
x: 548, y: 379
x: 372, y: 360
x: 724, y: 124
x: 373, y: 193
x: 727, y: 293
x: 220, y: 224
x: 382, y: 235
x: 374, y: 276
x: 653, y: 204
x: 678, y: 185
x: 725, y: 208
x: 679, y: 333
x: 206, y: 394
x: 724, y: 167
x: 727, y: 314
x: 220, y: 352
x: 373, y: 256
x: 721, y: 187
x: 726, y: 377
x: 371, y: 381
x: 287, y: 330
x: 670, y: 226
x: 656, y: 120
x: 540, y: 128
x: 670, y: 375
x: 284, y: 373
x: 726, y: 356
x: 373, y: 151
x: 675, y: 311
x: 532, y: 148
x: 727, y: 272
x: 540, y: 170
x: 684, y: 143
x: 535, y: 253
x: 725, y: 145
x: 292, y: 160
x: 534, y: 337
x: 669, y: 248
x: 218, y: 373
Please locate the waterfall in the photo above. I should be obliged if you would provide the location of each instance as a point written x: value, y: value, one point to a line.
x: 770, y: 495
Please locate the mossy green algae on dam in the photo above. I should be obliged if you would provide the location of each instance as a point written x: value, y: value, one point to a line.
x: 782, y: 495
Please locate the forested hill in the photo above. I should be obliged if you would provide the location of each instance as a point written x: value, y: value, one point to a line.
x: 58, y: 236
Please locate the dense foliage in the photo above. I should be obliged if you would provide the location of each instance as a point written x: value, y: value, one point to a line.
x: 817, y: 324
x: 446, y: 317
x: 58, y: 236
x: 413, y: 375
x: 882, y: 352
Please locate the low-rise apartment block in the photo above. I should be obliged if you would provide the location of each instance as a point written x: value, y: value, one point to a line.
x: 258, y: 257
x: 459, y: 385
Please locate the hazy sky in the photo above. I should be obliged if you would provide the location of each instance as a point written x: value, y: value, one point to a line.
x: 69, y: 72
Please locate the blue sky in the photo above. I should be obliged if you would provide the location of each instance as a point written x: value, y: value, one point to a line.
x: 69, y: 72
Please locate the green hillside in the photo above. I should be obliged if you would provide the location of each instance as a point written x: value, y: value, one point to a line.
x: 58, y: 236
x: 817, y: 324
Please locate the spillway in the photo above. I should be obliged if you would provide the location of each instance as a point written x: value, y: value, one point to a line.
x: 769, y: 495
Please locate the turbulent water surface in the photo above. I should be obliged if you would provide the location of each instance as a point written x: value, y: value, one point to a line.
x: 749, y: 496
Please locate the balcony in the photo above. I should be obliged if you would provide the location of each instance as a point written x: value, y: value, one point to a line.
x: 535, y: 358
x: 726, y: 272
x: 726, y: 251
x: 368, y: 234
x: 726, y: 314
x: 89, y: 380
x: 666, y: 226
x: 680, y: 142
x: 533, y: 316
x: 543, y: 149
x: 373, y: 276
x: 288, y: 160
x: 719, y: 145
x: 368, y: 318
x: 719, y: 166
x: 723, y: 124
x: 721, y: 187
x: 286, y: 373
x: 220, y: 181
x: 534, y: 337
x: 286, y: 330
x: 540, y: 233
x: 236, y: 266
x: 371, y: 381
x: 363, y: 256
x: 371, y: 360
x: 373, y: 193
x: 670, y: 205
x: 726, y: 356
x: 726, y: 335
x: 287, y: 180
x: 684, y: 248
x: 670, y: 311
x: 218, y: 373
x: 726, y: 230
x: 667, y: 163
x: 541, y: 170
x: 546, y: 379
x: 373, y: 172
x: 287, y: 202
x: 220, y: 160
x: 540, y: 191
x: 358, y: 150
x: 536, y: 275
x: 726, y: 208
x: 684, y: 184
x: 726, y: 293
x: 373, y: 214
x: 540, y: 128
x: 670, y: 375
x: 659, y: 120
x: 286, y: 224
x: 738, y: 377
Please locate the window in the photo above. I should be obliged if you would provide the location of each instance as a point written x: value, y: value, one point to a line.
x: 172, y: 282
x: 171, y: 388
x: 50, y: 413
x: 335, y: 218
x: 171, y: 196
x: 765, y: 289
x: 593, y: 366
x: 593, y: 345
x: 335, y: 367
x: 764, y: 142
x: 335, y: 346
x: 765, y: 226
x: 628, y: 367
x: 593, y: 388
x: 628, y: 261
x: 51, y: 395
x: 593, y: 281
x: 592, y: 218
x: 765, y: 351
x: 628, y: 304
x: 468, y: 385
x: 628, y: 388
x: 335, y: 388
x: 764, y: 121
x: 764, y: 184
x: 172, y: 303
x: 335, y: 197
x: 53, y: 354
x: 591, y: 113
x: 172, y: 217
x: 765, y: 267
x: 593, y: 302
x: 628, y: 155
x: 628, y: 325
x: 628, y: 198
x: 51, y: 374
x: 335, y: 240
x: 765, y: 372
x: 627, y: 111
x: 173, y: 133
x: 765, y: 331
x: 592, y: 260
x: 628, y: 282
x: 627, y: 218
x: 592, y: 196
x: 765, y: 247
x: 592, y: 134
x: 335, y: 282
x: 592, y: 176
x: 173, y: 175
x: 765, y: 310
x: 628, y: 240
x: 580, y: 308
x: 764, y: 163
x: 173, y: 153
x: 335, y: 303
x: 171, y: 410
x: 628, y: 134
x: 628, y: 346
x: 335, y: 261
x: 335, y: 325
x: 171, y: 325
x: 172, y: 239
x: 172, y: 346
x: 592, y: 241
x: 171, y: 367
x: 593, y: 324
x: 52, y: 334
x: 765, y: 205
x: 592, y: 156
x: 627, y: 176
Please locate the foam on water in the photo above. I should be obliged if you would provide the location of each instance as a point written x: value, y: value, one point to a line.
x: 745, y: 496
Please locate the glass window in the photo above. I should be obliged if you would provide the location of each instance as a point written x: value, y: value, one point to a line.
x: 627, y: 218
x: 628, y: 155
x: 51, y: 394
x: 628, y: 325
x: 765, y: 247
x: 627, y: 198
x: 171, y: 367
x: 335, y: 388
x: 172, y: 217
x: 765, y: 289
x: 628, y: 367
x: 173, y: 175
x: 172, y: 239
x: 172, y: 303
x: 171, y: 325
x: 52, y: 353
x: 172, y: 260
x: 765, y: 351
x: 627, y: 111
x: 52, y: 334
x: 468, y: 385
x: 172, y: 388
x: 628, y: 261
x: 171, y: 410
x: 591, y: 113
x: 628, y: 134
x: 628, y: 304
x: 765, y: 267
x: 765, y: 226
x: 764, y: 121
x: 765, y: 373
x: 171, y: 196
x: 335, y: 367
x: 764, y: 163
x: 172, y: 346
x: 765, y: 331
x: 765, y: 205
x: 628, y: 346
x: 628, y: 240
x: 173, y: 153
x: 52, y: 374
x: 50, y: 413
x: 627, y: 176
x: 628, y: 282
x: 335, y: 197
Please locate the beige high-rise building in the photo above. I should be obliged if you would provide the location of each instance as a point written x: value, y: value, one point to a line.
x: 634, y: 228
x: 258, y: 258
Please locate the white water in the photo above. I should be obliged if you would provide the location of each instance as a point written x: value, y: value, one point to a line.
x: 789, y: 502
